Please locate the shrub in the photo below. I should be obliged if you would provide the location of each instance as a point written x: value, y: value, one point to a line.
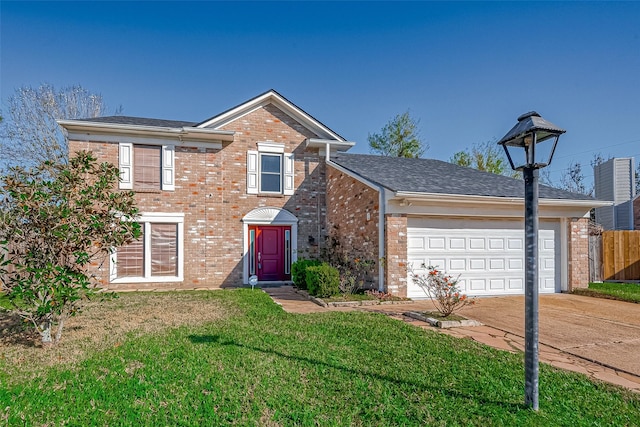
x: 442, y: 289
x: 323, y: 280
x: 55, y: 221
x: 299, y: 270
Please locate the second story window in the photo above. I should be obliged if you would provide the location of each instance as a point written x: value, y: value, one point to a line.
x: 146, y: 167
x: 270, y: 173
x: 270, y: 170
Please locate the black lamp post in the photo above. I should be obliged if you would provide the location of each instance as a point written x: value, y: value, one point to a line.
x: 530, y: 131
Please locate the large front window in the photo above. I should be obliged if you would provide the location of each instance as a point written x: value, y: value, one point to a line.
x: 155, y: 256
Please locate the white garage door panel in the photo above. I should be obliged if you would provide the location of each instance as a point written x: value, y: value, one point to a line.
x: 487, y: 255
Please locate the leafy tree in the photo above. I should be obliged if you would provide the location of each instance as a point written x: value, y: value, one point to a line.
x: 30, y: 136
x: 398, y: 138
x: 487, y: 156
x: 54, y: 228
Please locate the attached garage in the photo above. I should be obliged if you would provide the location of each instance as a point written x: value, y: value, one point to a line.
x: 488, y: 255
x: 464, y: 221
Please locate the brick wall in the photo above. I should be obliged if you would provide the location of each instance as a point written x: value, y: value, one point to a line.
x: 211, y: 192
x: 578, y: 253
x: 396, y: 254
x: 352, y: 218
x: 636, y: 213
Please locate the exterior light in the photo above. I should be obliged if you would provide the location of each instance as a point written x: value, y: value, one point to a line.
x: 530, y: 131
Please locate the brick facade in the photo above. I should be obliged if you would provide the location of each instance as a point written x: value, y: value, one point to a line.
x: 352, y: 218
x: 578, y: 253
x: 396, y: 254
x: 210, y: 189
x: 211, y: 193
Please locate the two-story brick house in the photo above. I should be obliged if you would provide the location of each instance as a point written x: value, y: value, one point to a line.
x: 239, y: 194
x: 250, y: 190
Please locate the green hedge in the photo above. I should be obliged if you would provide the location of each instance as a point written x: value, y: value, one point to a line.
x: 299, y: 270
x: 323, y: 280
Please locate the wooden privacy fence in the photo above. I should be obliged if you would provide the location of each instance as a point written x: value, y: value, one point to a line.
x: 619, y: 255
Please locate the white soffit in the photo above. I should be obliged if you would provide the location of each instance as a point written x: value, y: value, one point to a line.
x: 94, y: 131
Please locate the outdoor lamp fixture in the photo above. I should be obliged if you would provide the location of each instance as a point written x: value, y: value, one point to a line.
x: 530, y: 131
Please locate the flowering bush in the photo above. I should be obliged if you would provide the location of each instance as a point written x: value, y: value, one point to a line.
x: 442, y: 289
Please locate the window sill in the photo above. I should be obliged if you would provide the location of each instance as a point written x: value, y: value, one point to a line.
x: 159, y: 279
x: 147, y: 190
x: 277, y: 196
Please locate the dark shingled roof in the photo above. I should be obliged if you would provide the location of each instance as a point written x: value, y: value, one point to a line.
x: 139, y: 121
x: 436, y: 176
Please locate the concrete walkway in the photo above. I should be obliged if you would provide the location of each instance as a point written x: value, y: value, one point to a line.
x: 595, y: 337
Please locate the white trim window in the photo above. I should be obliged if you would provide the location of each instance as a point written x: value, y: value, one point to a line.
x: 146, y: 167
x: 157, y: 256
x: 270, y: 170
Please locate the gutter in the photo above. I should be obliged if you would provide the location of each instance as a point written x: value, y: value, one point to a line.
x: 470, y: 199
x: 79, y: 127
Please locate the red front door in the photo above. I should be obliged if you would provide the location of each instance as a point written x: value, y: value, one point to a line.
x: 271, y: 246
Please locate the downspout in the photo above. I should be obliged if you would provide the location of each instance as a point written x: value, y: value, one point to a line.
x: 381, y: 233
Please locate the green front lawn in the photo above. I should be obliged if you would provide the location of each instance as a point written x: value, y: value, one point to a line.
x: 629, y: 292
x: 257, y: 365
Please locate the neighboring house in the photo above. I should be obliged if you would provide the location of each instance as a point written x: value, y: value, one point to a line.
x: 636, y: 212
x: 250, y: 190
x: 614, y: 180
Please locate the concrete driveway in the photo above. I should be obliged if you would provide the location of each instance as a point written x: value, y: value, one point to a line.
x: 604, y: 331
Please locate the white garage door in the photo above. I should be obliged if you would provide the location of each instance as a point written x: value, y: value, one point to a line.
x: 488, y: 255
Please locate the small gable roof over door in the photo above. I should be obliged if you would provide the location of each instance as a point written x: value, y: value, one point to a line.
x: 272, y: 97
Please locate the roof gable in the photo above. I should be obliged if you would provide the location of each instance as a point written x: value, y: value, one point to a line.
x: 432, y: 176
x: 272, y: 97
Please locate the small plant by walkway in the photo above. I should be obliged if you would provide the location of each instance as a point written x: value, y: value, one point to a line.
x: 629, y: 292
x: 442, y: 289
x: 254, y: 364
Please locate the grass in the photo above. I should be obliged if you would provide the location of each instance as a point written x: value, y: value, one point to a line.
x: 250, y: 363
x: 629, y: 292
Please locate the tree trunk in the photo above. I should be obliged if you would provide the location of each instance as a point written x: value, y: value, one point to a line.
x: 46, y: 333
x: 59, y: 331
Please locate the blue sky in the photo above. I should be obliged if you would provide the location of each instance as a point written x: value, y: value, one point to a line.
x: 466, y: 70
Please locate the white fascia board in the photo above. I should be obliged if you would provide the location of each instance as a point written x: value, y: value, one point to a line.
x: 271, y: 98
x: 109, y: 132
x: 334, y: 145
x: 484, y: 206
x: 453, y: 198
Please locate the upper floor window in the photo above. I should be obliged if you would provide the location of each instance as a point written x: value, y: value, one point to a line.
x: 270, y: 173
x: 146, y: 167
x: 270, y: 170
